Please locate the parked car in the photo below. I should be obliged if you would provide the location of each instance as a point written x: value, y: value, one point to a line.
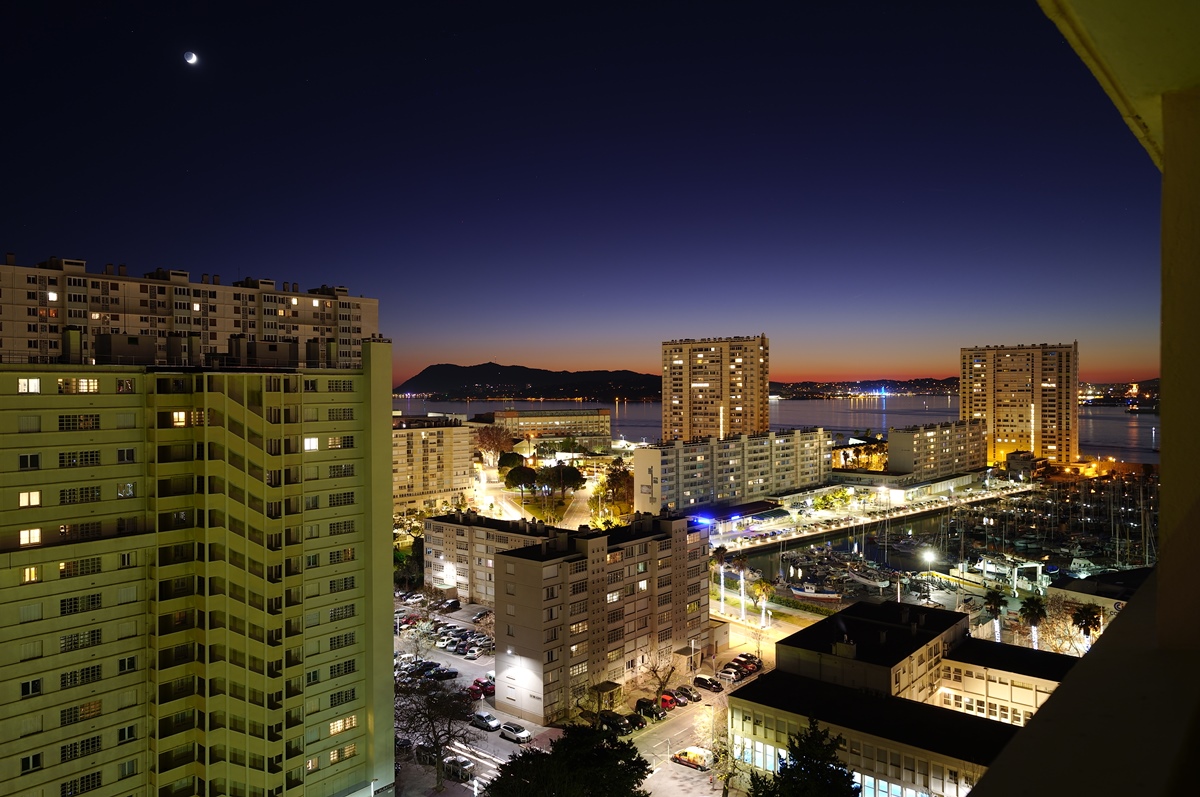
x: 479, y: 615
x: 487, y: 685
x: 613, y: 721
x: 473, y: 653
x: 484, y: 720
x: 514, y: 732
x: 404, y: 748
x: 694, y: 757
x: 475, y: 692
x: 667, y: 701
x: 731, y: 674
x: 705, y: 682
x: 451, y: 605
x: 636, y: 721
x: 676, y: 697
x: 458, y: 768
x: 691, y: 694
x: 462, y: 647
x: 444, y: 674
x: 648, y: 708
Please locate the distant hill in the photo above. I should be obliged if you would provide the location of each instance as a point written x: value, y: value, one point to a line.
x: 490, y: 380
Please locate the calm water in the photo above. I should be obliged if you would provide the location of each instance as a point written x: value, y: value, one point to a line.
x: 1103, y: 431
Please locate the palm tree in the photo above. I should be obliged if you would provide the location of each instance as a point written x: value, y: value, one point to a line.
x: 993, y: 604
x: 740, y: 564
x: 1087, y: 618
x: 761, y: 590
x: 718, y: 558
x: 1033, y: 612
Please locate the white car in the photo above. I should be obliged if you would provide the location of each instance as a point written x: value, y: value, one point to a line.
x: 514, y: 732
x: 473, y: 654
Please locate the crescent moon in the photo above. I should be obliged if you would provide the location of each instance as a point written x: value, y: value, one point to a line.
x: 190, y: 57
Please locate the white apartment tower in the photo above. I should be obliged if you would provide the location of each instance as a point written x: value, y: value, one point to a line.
x: 57, y: 309
x: 1028, y: 397
x: 715, y: 387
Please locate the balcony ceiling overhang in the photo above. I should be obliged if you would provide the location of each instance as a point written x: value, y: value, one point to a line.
x: 1138, y: 51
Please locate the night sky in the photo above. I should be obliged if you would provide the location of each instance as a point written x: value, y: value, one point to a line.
x: 564, y: 185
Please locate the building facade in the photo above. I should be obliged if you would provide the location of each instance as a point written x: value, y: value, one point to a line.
x: 680, y: 476
x: 163, y: 318
x: 1027, y: 396
x: 591, y: 428
x: 937, y: 450
x: 881, y: 675
x: 461, y: 548
x: 715, y: 387
x: 192, y: 565
x: 431, y: 462
x: 586, y: 611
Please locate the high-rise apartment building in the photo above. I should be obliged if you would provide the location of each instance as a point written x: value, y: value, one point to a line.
x: 431, y: 462
x: 193, y: 563
x: 715, y: 387
x: 57, y: 309
x: 1027, y: 395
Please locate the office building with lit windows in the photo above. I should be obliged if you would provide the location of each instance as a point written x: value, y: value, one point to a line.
x: 715, y: 387
x: 58, y: 309
x: 193, y: 563
x: 1027, y: 395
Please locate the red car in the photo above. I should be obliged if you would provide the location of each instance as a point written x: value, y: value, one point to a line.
x: 487, y: 687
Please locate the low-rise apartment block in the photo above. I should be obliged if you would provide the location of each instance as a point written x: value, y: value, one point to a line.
x: 587, y: 610
x: 682, y: 475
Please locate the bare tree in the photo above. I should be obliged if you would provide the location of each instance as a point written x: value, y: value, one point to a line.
x: 434, y: 715
x: 487, y: 624
x: 493, y: 441
x: 660, y: 666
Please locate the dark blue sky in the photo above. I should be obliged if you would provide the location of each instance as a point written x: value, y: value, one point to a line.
x: 872, y: 184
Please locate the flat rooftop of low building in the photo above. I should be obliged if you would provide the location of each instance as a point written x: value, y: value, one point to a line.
x: 1012, y: 658
x: 1119, y: 585
x: 721, y: 514
x: 883, y: 633
x: 949, y: 733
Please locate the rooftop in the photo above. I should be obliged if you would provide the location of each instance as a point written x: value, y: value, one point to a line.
x: 948, y: 733
x: 1013, y: 658
x: 882, y: 633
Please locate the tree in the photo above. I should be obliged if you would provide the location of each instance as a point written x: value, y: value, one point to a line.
x: 718, y: 558
x: 727, y: 764
x: 761, y: 590
x: 741, y: 565
x: 493, y: 441
x: 660, y: 666
x: 521, y: 478
x: 993, y: 604
x: 560, y: 477
x: 434, y: 714
x: 811, y: 768
x: 1033, y: 612
x: 509, y: 460
x: 1087, y: 618
x: 583, y: 762
x: 620, y: 480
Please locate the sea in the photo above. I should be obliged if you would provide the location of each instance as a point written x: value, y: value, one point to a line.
x: 1103, y: 431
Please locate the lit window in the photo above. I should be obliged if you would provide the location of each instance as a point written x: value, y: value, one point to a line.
x: 179, y: 418
x: 31, y: 536
x: 31, y: 498
x: 31, y: 574
x: 310, y: 444
x: 29, y: 385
